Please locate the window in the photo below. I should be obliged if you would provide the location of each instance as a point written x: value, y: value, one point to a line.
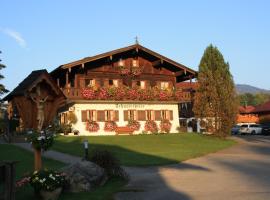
x: 113, y: 82
x: 164, y: 85
x: 88, y: 115
x: 141, y: 84
x: 132, y: 115
x: 110, y: 82
x: 89, y: 82
x: 109, y: 115
x: 150, y: 115
x: 165, y: 114
x: 92, y: 115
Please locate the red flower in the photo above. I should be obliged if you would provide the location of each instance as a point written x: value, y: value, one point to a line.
x: 110, y: 126
x: 89, y: 93
x: 92, y: 126
x: 151, y: 126
x: 134, y: 125
x: 165, y: 126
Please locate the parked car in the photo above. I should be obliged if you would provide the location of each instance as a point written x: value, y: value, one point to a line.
x: 266, y: 129
x: 253, y: 129
x: 235, y: 130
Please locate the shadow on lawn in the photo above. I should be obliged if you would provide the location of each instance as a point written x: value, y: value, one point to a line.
x: 145, y: 182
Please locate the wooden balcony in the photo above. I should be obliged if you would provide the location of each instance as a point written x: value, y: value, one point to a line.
x: 76, y: 94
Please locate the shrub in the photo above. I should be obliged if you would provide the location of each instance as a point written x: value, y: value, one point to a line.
x: 108, y: 162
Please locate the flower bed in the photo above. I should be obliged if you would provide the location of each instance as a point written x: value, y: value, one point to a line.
x: 110, y: 126
x: 165, y: 126
x: 151, y: 126
x: 134, y: 125
x: 125, y: 93
x: 92, y: 126
x: 47, y: 180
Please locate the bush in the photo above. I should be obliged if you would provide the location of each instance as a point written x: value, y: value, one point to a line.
x: 109, y: 162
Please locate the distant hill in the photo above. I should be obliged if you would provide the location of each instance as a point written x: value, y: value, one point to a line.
x: 243, y: 88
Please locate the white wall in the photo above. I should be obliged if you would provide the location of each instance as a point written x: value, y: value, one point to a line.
x: 78, y: 107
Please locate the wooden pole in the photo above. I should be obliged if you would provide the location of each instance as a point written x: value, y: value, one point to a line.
x: 38, y: 161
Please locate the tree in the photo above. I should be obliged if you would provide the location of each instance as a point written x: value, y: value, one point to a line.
x: 215, y: 99
x: 3, y: 89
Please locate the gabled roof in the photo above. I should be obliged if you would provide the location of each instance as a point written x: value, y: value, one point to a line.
x: 262, y: 108
x: 31, y: 81
x: 136, y: 47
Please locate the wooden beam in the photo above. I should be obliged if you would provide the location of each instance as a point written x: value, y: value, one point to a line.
x: 83, y: 65
x: 111, y: 57
x: 157, y: 63
x: 58, y: 82
x: 66, y: 79
x: 179, y: 73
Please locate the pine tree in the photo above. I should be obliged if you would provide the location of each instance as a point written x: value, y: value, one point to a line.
x: 215, y: 99
x: 2, y: 87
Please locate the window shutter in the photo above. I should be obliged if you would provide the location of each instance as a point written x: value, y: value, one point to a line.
x: 152, y: 115
x: 157, y: 115
x: 84, y: 115
x: 171, y: 115
x: 94, y: 115
x: 101, y: 115
x: 141, y: 115
x: 116, y: 115
x: 125, y: 115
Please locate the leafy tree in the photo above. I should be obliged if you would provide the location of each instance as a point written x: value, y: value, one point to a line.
x: 2, y: 87
x: 247, y: 99
x: 215, y: 98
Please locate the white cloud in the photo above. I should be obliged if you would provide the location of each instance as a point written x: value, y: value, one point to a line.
x: 16, y: 36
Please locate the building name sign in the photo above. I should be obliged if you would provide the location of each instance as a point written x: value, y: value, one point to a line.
x: 134, y: 106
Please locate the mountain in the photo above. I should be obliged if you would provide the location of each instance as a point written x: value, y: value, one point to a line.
x: 243, y: 88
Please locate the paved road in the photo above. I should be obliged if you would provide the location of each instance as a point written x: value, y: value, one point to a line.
x: 241, y: 172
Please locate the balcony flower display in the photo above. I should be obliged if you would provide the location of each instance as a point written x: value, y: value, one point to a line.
x: 146, y: 95
x: 136, y: 71
x: 92, y: 126
x: 103, y: 94
x: 120, y: 93
x: 165, y: 126
x: 89, y: 93
x: 124, y: 70
x: 110, y: 126
x: 134, y: 125
x: 151, y: 126
x: 133, y: 94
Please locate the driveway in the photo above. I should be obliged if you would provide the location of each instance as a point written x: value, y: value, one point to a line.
x: 241, y: 172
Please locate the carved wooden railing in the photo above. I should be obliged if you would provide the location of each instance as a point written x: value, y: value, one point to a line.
x: 76, y: 94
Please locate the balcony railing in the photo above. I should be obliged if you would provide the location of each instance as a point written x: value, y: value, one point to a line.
x: 126, y: 95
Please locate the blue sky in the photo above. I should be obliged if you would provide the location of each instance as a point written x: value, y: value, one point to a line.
x: 45, y: 34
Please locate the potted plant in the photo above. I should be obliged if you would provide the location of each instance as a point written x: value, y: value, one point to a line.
x: 151, y: 126
x: 134, y: 125
x: 48, y: 183
x: 110, y: 126
x: 92, y: 126
x: 165, y: 126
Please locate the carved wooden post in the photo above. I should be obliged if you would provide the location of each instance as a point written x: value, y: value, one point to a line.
x: 38, y: 160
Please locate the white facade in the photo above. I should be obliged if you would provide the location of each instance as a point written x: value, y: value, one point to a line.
x: 78, y: 107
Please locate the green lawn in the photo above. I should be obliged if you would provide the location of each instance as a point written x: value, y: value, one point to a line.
x: 143, y: 150
x: 25, y: 165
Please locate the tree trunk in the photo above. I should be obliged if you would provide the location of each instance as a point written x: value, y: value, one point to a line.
x: 38, y: 161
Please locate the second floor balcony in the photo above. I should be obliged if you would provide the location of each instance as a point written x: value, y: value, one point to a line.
x: 128, y: 94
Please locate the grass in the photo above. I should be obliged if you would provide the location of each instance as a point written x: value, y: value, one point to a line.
x: 144, y: 150
x: 25, y: 165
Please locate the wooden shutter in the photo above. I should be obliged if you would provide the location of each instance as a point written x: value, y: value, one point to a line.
x: 141, y: 115
x: 125, y: 115
x: 84, y: 115
x: 157, y: 115
x: 171, y: 115
x: 100, y: 115
x: 116, y: 115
